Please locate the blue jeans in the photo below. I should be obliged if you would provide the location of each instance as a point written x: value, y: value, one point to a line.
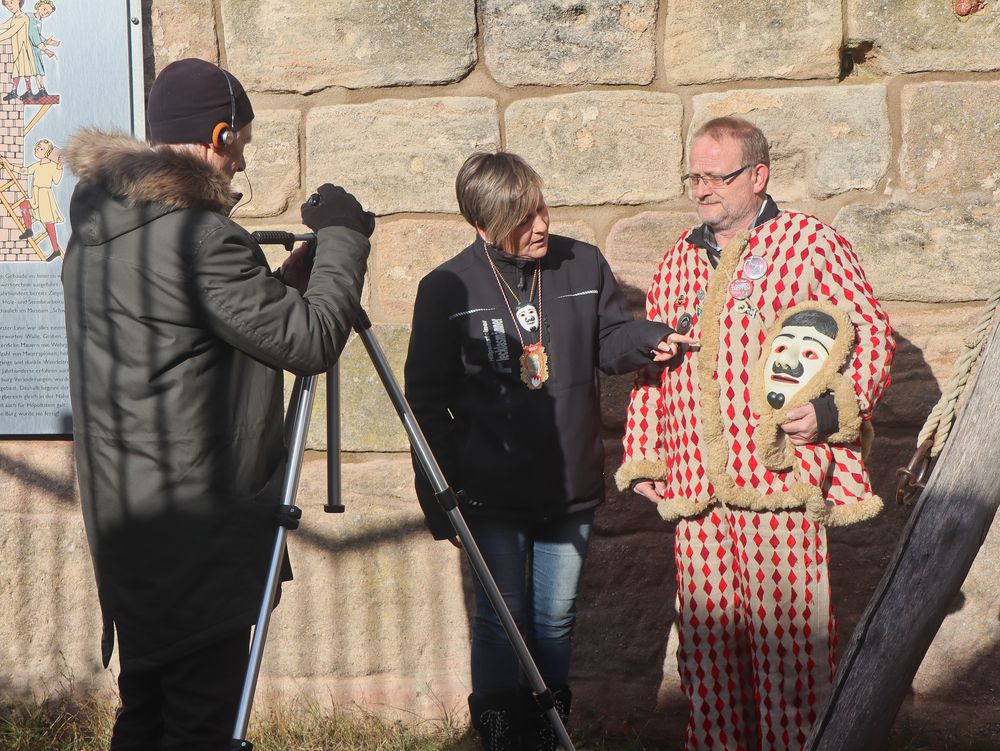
x: 537, y: 567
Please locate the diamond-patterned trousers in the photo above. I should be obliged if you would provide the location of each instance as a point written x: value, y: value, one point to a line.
x: 756, y: 631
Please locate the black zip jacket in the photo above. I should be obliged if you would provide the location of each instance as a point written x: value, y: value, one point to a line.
x: 518, y: 453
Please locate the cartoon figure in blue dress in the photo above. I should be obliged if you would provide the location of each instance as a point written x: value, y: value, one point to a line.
x: 40, y: 45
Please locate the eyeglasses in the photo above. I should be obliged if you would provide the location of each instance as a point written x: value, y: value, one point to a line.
x: 712, y: 181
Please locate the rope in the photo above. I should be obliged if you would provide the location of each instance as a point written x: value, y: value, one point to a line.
x: 941, y: 418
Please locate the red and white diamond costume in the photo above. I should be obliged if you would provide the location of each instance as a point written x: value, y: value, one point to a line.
x: 756, y: 632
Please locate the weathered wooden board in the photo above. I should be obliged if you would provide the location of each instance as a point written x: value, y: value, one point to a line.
x: 941, y: 540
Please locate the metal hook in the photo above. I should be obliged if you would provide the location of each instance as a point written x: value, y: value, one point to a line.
x: 912, y: 478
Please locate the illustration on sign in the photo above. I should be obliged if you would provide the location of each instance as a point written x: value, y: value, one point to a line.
x: 23, y: 49
x: 64, y: 65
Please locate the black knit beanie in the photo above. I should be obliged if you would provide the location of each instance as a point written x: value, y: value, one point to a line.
x: 190, y: 97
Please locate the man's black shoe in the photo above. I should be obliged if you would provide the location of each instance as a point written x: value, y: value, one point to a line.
x: 26, y: 234
x: 10, y: 95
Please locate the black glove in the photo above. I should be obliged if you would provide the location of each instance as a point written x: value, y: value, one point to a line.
x: 332, y: 206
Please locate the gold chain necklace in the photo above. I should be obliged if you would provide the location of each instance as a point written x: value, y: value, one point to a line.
x: 534, y: 361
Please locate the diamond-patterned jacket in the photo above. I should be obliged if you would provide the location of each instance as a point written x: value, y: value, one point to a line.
x: 692, y: 424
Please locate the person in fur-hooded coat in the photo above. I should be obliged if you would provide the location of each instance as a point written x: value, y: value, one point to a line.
x: 178, y: 333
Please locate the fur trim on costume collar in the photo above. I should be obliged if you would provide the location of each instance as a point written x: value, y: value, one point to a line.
x: 140, y: 173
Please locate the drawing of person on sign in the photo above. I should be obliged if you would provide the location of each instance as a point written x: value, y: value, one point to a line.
x: 40, y: 45
x: 44, y: 173
x: 15, y: 29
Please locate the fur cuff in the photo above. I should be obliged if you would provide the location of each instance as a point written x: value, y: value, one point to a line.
x: 676, y: 508
x: 848, y: 413
x: 638, y: 469
x: 843, y: 515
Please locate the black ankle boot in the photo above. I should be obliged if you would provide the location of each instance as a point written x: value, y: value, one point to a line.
x: 10, y: 96
x: 539, y: 735
x: 498, y: 719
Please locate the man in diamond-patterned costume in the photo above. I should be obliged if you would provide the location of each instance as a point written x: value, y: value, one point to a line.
x: 753, y: 493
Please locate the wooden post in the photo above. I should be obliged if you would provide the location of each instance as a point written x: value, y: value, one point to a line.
x: 941, y: 540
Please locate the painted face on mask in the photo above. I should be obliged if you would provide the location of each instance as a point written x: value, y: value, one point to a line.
x: 797, y: 354
x: 527, y: 316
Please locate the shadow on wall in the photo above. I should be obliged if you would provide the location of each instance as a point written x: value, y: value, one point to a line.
x: 860, y: 553
x: 60, y: 486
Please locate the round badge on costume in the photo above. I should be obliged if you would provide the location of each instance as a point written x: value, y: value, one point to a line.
x: 740, y: 289
x: 754, y: 267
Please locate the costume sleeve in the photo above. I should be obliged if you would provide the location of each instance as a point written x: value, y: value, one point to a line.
x: 432, y: 378
x: 251, y: 309
x: 624, y: 343
x: 643, y: 440
x: 839, y: 278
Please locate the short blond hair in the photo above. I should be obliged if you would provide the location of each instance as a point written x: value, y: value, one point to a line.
x: 752, y: 140
x: 496, y: 191
x: 45, y: 142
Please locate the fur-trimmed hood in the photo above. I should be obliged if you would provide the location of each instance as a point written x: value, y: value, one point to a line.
x: 149, y: 180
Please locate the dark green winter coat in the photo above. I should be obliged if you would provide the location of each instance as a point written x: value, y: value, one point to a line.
x: 178, y: 333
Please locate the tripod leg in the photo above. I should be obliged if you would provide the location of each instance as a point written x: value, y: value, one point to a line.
x: 449, y: 502
x: 299, y: 410
x: 334, y: 501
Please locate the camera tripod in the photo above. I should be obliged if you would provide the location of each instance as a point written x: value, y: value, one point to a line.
x: 297, y: 426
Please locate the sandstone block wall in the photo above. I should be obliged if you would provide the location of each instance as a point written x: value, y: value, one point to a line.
x: 884, y: 119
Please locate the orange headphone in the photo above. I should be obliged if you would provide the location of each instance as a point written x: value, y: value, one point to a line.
x: 224, y: 134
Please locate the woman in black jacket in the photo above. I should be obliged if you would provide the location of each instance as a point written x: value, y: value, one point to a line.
x: 501, y: 374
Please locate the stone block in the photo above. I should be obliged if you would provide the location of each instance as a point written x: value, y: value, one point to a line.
x: 942, y: 254
x: 310, y: 45
x: 626, y: 610
x: 824, y: 140
x: 368, y: 421
x: 183, y: 28
x: 909, y: 36
x: 272, y: 163
x: 636, y: 246
x: 578, y: 230
x: 399, y: 155
x: 751, y: 39
x: 403, y: 252
x: 929, y: 339
x: 951, y: 138
x: 38, y: 477
x: 378, y: 608
x: 575, y: 142
x: 51, y: 629
x: 552, y: 43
